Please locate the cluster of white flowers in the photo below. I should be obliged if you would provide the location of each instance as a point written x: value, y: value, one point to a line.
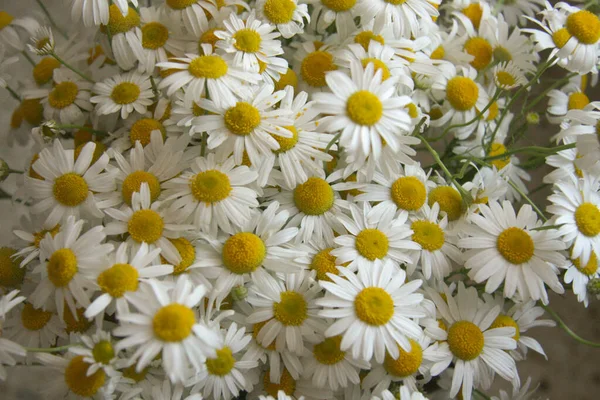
x: 225, y: 198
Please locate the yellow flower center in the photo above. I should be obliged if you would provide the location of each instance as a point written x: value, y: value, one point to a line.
x: 501, y: 54
x: 16, y: 118
x: 103, y: 352
x: 577, y: 101
x: 131, y: 373
x: 44, y: 70
x: 209, y: 37
x: 79, y: 382
x: 222, y: 364
x: 209, y: 67
x: 288, y: 79
x: 438, y: 53
x: 465, y: 340
x: 118, y: 279
x: 34, y: 319
x: 585, y: 26
x: 591, y: 267
x: 256, y: 330
x: 145, y: 226
x: 515, y: 245
x: 504, y: 321
x: 180, y: 4
x: 77, y: 325
x: 372, y: 244
x: 62, y: 267
x: 210, y: 186
x: 314, y: 67
x: 428, y: 234
x: 279, y: 11
x: 242, y: 119
x: 462, y: 93
x: 481, y: 49
x: 286, y: 144
x: 11, y: 274
x: 5, y: 19
x: 339, y: 5
x: 505, y: 79
x: 154, y: 35
x: 142, y: 130
x: 449, y: 200
x: 33, y: 111
x: 364, y: 38
x: 98, y: 151
x: 243, y: 252
x: 117, y: 23
x: 587, y: 218
x: 364, y: 108
x: 328, y: 352
x: 379, y: 66
x: 395, y: 2
x: 561, y: 37
x: 408, y: 193
x: 474, y: 12
x: 323, y: 262
x: 173, y: 323
x: 133, y: 182
x: 374, y: 306
x: 407, y: 363
x: 286, y: 383
x: 314, y: 197
x: 413, y: 111
x: 38, y: 236
x: 187, y: 252
x: 291, y: 310
x: 70, y: 189
x: 492, y: 112
x: 63, y: 95
x: 497, y: 149
x: 247, y: 40
x: 125, y: 93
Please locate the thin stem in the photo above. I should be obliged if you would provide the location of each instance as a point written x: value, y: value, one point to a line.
x: 13, y: 93
x: 28, y: 57
x: 481, y: 394
x: 49, y: 349
x: 14, y: 171
x: 45, y: 10
x: 537, y: 210
x: 546, y: 228
x: 154, y: 87
x: 81, y: 128
x: 533, y: 149
x: 332, y: 142
x: 203, y: 143
x: 564, y: 326
x: 63, y: 62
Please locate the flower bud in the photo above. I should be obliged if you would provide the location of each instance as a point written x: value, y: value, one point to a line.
x: 239, y: 293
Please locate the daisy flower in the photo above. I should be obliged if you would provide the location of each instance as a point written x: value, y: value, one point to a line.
x: 287, y: 307
x: 125, y: 34
x: 248, y: 124
x: 99, y: 353
x: 312, y: 61
x: 576, y: 207
x: 120, y: 277
x: 404, y: 393
x: 519, y: 393
x: 4, y: 63
x: 504, y: 247
x: 192, y: 13
x: 214, y: 194
x: 374, y: 310
x: 508, y: 76
x: 33, y: 231
x: 317, y: 257
x: 224, y: 376
x: 206, y: 73
x: 365, y: 109
x: 259, y: 242
x: 516, y: 12
x: 297, y: 389
x: 12, y: 274
x: 374, y: 240
x: 8, y: 302
x: 581, y: 122
x: 166, y: 323
x: 437, y: 242
x: 287, y: 15
x: 147, y: 222
x: 469, y: 341
x: 10, y: 28
x: 93, y: 13
x: 579, y: 275
x: 123, y: 94
x: 67, y: 260
x: 34, y: 327
x: 564, y: 164
x: 560, y: 102
x: 8, y: 348
x: 69, y: 186
x: 42, y: 42
x: 326, y: 12
x: 169, y: 391
x: 487, y: 185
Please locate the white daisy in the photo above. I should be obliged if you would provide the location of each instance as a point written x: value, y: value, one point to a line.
x: 192, y: 13
x: 374, y: 310
x: 34, y: 327
x: 326, y: 12
x: 214, y: 194
x: 33, y: 231
x: 364, y: 109
x: 579, y: 275
x: 166, y: 323
x: 505, y: 247
x: 312, y: 61
x: 7, y: 347
x: 11, y: 29
x: 406, y: 17
x: 125, y: 34
x: 564, y: 164
x: 92, y: 12
x: 123, y: 94
x: 287, y: 15
x: 569, y: 97
x: 9, y: 301
x: 4, y: 63
x: 69, y: 186
x: 99, y: 353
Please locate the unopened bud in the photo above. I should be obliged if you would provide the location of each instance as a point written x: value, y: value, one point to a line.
x: 593, y: 286
x: 533, y: 118
x: 4, y: 170
x: 239, y: 293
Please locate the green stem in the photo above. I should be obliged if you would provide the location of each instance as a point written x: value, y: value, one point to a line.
x: 481, y: 394
x: 546, y: 151
x: 531, y: 203
x: 63, y: 62
x: 49, y: 349
x: 564, y: 326
x: 45, y: 10
x: 154, y: 87
x: 13, y: 93
x: 547, y: 227
x: 14, y: 171
x: 332, y: 142
x: 82, y: 128
x: 28, y: 57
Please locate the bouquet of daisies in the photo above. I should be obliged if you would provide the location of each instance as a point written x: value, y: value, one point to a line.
x: 296, y: 199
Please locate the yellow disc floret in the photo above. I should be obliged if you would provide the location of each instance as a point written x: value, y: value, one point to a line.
x: 133, y: 182
x: 587, y: 218
x: 314, y: 67
x: 505, y: 79
x: 364, y: 108
x: 34, y: 319
x: 247, y: 40
x: 428, y: 234
x: 474, y: 12
x: 287, y: 384
x: 43, y: 70
x: 173, y: 322
x: 585, y: 26
x: 374, y: 306
x: 407, y: 363
x: 63, y: 95
x: 210, y: 186
x: 75, y: 323
x: 408, y: 193
x: 118, y: 279
x: 70, y: 189
x: 288, y: 79
x: 125, y: 93
x: 515, y: 245
x: 291, y: 310
x: 561, y: 37
x: 154, y: 35
x: 577, y: 101
x: 462, y: 93
x: 5, y: 19
x: 339, y: 5
x: 62, y: 267
x: 33, y: 111
x: 186, y: 251
x: 481, y: 49
x: 314, y: 197
x: 449, y: 200
x: 242, y: 119
x: 504, y: 321
x: 279, y: 11
x: 378, y: 65
x: 222, y: 364
x: 364, y: 38
x: 372, y: 244
x: 103, y: 352
x: 496, y: 150
x: 11, y: 274
x: 77, y: 379
x: 591, y: 267
x: 465, y: 340
x: 145, y: 226
x: 323, y: 262
x: 119, y: 23
x: 243, y: 253
x: 328, y: 352
x: 180, y: 4
x: 142, y: 130
x: 286, y: 144
x: 209, y: 67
